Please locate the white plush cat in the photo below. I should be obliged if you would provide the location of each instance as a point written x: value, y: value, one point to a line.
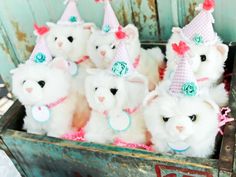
x: 47, y: 94
x: 108, y: 96
x: 186, y: 125
x: 102, y: 48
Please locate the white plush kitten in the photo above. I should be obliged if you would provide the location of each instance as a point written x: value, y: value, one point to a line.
x: 108, y: 97
x: 186, y: 125
x: 46, y: 93
x: 207, y: 63
x: 70, y: 42
x: 102, y: 48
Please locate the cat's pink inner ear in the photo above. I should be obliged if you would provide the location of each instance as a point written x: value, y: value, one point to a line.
x: 223, y: 49
x: 150, y: 98
x: 89, y: 26
x: 60, y: 64
x: 131, y: 31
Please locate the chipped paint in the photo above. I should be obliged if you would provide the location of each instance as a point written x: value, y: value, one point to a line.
x: 21, y: 36
x: 4, y: 48
x: 139, y: 3
x: 191, y: 12
x: 29, y: 48
x: 152, y: 5
x: 123, y: 15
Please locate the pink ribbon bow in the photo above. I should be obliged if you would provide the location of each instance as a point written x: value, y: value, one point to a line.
x: 223, y: 118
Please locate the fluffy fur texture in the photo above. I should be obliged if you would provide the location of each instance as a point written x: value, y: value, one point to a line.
x: 206, y: 62
x: 174, y: 122
x: 102, y: 47
x: 70, y: 42
x: 38, y: 84
x: 107, y: 93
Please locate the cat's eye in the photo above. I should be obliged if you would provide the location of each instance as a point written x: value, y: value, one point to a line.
x: 193, y: 117
x: 55, y: 38
x: 96, y: 47
x: 23, y: 81
x: 165, y: 119
x: 70, y: 38
x: 113, y: 47
x: 203, y: 58
x: 113, y: 91
x: 41, y: 83
x: 95, y: 88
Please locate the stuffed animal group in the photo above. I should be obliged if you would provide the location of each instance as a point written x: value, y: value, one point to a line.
x: 101, y: 82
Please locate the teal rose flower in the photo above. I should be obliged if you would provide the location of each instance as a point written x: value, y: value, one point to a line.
x: 120, y: 68
x: 73, y: 19
x: 106, y: 28
x: 198, y: 39
x: 189, y: 89
x: 39, y: 58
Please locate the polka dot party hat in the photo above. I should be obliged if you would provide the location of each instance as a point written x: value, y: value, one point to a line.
x: 41, y: 53
x: 183, y: 82
x: 71, y: 14
x: 121, y: 65
x: 200, y: 30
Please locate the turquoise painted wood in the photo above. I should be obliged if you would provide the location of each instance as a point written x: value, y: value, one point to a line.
x: 154, y: 19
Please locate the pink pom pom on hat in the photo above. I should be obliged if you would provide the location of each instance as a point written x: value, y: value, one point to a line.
x: 71, y: 14
x: 121, y: 65
x: 41, y: 53
x: 183, y: 82
x: 110, y: 21
x: 200, y: 30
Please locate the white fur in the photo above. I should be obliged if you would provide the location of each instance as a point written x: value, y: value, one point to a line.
x: 57, y: 85
x: 199, y: 135
x: 212, y: 68
x: 97, y: 129
x: 150, y: 59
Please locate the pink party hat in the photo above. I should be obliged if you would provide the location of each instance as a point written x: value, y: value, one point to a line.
x: 121, y: 65
x: 183, y: 81
x: 110, y: 21
x: 200, y: 30
x: 41, y: 53
x: 71, y: 14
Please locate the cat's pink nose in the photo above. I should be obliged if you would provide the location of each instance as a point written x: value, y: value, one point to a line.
x: 103, y: 53
x: 180, y: 128
x: 101, y: 98
x: 29, y: 90
x: 59, y: 44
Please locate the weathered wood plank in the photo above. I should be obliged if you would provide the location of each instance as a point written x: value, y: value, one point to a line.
x: 66, y: 158
x: 145, y: 17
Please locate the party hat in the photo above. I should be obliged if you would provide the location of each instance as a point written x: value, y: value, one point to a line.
x: 71, y: 14
x: 41, y: 53
x: 200, y: 30
x: 121, y: 65
x: 183, y: 81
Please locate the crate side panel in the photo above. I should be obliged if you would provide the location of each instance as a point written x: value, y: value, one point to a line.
x: 44, y: 156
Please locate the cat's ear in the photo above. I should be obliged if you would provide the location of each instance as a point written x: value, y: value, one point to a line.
x: 89, y: 26
x: 51, y: 25
x: 59, y: 63
x: 131, y: 32
x: 150, y: 98
x: 223, y: 49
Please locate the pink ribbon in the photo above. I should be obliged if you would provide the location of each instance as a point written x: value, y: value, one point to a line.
x: 223, y: 118
x: 81, y: 60
x: 121, y: 143
x: 75, y: 136
x: 52, y: 105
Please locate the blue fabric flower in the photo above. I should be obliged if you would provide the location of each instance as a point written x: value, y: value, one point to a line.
x: 189, y: 89
x: 198, y: 39
x: 73, y: 19
x: 120, y: 68
x: 39, y: 58
x: 106, y: 28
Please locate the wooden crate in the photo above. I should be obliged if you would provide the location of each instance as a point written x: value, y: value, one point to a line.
x: 36, y: 155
